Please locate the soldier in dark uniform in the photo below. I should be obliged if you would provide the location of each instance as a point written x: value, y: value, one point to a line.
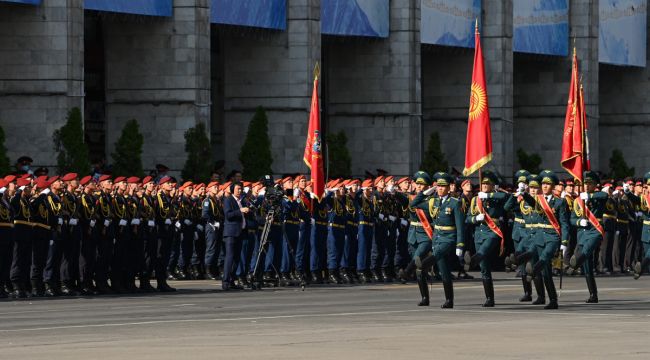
x: 198, y: 256
x: 291, y: 228
x: 146, y: 207
x: 447, y: 219
x: 105, y: 234
x: 88, y: 225
x: 364, y: 202
x: 187, y: 228
x: 417, y: 238
x: 350, y: 247
x: 212, y: 216
x: 121, y: 223
x: 6, y: 235
x: 633, y: 251
x: 590, y: 231
x: 644, y: 207
x: 609, y: 224
x: 134, y: 248
x: 46, y: 220
x: 402, y: 255
x: 71, y: 235
x: 304, y: 232
x: 336, y: 222
x: 318, y: 239
x: 165, y: 231
x: 624, y: 216
x: 486, y: 237
x: 381, y: 230
x: 23, y: 233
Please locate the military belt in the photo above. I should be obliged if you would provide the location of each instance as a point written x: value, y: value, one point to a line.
x: 366, y: 223
x: 321, y: 223
x: 445, y: 228
x: 413, y: 223
x: 10, y: 225
x: 338, y: 226
x: 646, y: 222
x: 292, y: 222
x: 609, y: 216
x: 353, y: 223
x: 46, y: 227
x: 622, y: 221
x: 539, y: 226
x: 521, y: 221
x: 22, y: 222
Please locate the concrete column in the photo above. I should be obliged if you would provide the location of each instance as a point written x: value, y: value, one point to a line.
x: 496, y: 40
x: 41, y: 74
x: 158, y: 72
x: 273, y: 69
x: 374, y: 94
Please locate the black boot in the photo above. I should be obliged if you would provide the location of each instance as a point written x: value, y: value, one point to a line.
x: 345, y: 277
x: 488, y: 287
x: 576, y: 261
x: 38, y: 288
x: 19, y: 291
x: 424, y: 290
x: 639, y: 267
x: 68, y: 289
x: 593, y: 291
x: 145, y: 284
x: 552, y: 294
x: 539, y: 289
x: 523, y: 257
x: 376, y: 276
x: 3, y: 292
x: 363, y: 279
x: 386, y: 274
x: 103, y: 288
x: 334, y: 278
x: 449, y: 295
x: 162, y: 285
x: 405, y: 273
x: 528, y: 290
x: 476, y: 259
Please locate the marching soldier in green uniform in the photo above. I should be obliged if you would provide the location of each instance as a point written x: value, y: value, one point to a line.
x: 485, y: 211
x: 587, y: 215
x: 418, y: 239
x: 519, y: 232
x: 550, y: 228
x: 448, y: 219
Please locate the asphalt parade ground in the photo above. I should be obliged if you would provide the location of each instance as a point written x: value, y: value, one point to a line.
x: 333, y: 322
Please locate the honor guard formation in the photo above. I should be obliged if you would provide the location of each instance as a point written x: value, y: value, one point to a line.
x: 92, y: 235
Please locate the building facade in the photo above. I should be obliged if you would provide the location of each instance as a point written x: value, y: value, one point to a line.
x: 393, y: 72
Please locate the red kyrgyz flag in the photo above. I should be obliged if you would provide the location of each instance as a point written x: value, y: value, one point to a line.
x: 574, y: 142
x: 478, y: 149
x: 313, y: 148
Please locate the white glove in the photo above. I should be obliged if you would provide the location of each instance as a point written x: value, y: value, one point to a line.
x: 313, y: 221
x: 73, y: 222
x: 246, y: 190
x: 564, y: 249
x: 639, y: 214
x: 404, y: 222
x: 135, y: 221
x: 563, y: 195
x: 296, y: 193
x: 312, y: 195
x: 626, y: 188
x: 429, y: 191
x: 187, y: 222
x: 480, y: 217
x: 21, y: 188
x: 107, y: 222
x: 334, y: 189
x: 123, y: 222
x: 459, y: 252
x: 199, y: 227
x: 92, y: 223
x: 482, y: 195
x: 60, y: 221
x: 584, y: 196
x: 583, y: 223
x: 217, y: 225
x: 178, y: 224
x: 615, y: 192
x: 392, y: 218
x: 605, y: 189
x: 262, y: 192
x: 390, y: 189
x: 381, y: 217
x: 328, y: 191
x: 496, y: 187
x: 521, y: 187
x: 168, y: 222
x: 151, y: 223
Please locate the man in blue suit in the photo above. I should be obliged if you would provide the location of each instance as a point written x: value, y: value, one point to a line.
x: 233, y: 233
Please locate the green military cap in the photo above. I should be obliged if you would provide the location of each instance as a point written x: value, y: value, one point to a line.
x: 521, y: 176
x: 549, y: 177
x: 591, y: 177
x: 490, y: 178
x: 443, y: 179
x: 422, y: 178
x: 646, y: 178
x: 534, y: 180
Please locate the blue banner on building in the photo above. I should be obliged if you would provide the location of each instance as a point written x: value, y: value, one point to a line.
x: 355, y: 17
x: 449, y: 22
x: 137, y: 7
x: 541, y: 27
x: 270, y: 14
x: 30, y: 2
x: 622, y: 37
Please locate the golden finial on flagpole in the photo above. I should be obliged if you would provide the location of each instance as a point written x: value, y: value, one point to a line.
x: 317, y: 71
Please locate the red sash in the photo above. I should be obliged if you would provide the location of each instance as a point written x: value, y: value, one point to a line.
x: 425, y: 223
x: 550, y: 215
x: 591, y: 217
x: 490, y: 222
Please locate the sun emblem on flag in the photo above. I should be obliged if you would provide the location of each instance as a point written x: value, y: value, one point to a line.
x: 477, y: 101
x: 316, y: 143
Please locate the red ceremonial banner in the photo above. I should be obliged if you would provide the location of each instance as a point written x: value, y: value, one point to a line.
x: 313, y: 156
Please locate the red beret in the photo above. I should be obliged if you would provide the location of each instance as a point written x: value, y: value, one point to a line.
x: 119, y: 179
x: 53, y: 179
x: 378, y: 179
x: 69, y: 177
x: 85, y: 180
x: 198, y: 186
x: 367, y: 183
x: 355, y: 181
x: 389, y: 178
x: 185, y: 185
x: 23, y: 182
x: 401, y: 180
x: 164, y: 180
x: 146, y: 180
x: 133, y: 180
x: 300, y: 177
x: 43, y: 183
x: 104, y: 178
x: 212, y: 184
x: 10, y: 178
